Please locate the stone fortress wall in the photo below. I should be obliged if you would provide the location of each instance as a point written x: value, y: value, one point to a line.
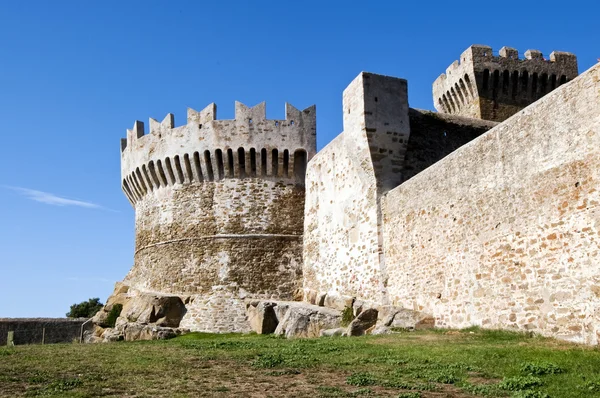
x: 481, y: 85
x: 455, y: 216
x: 505, y: 231
x: 219, y: 210
x: 42, y: 330
x: 344, y: 256
x: 501, y: 233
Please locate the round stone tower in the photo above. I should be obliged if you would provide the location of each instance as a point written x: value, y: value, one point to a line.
x: 219, y: 209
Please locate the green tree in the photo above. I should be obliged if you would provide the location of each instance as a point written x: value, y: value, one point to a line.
x: 85, y: 309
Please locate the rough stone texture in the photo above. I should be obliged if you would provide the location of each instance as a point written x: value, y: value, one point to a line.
x: 262, y: 316
x: 343, y: 253
x: 160, y: 310
x: 120, y: 295
x: 30, y: 330
x: 363, y: 323
x: 435, y: 135
x: 333, y: 332
x: 136, y: 331
x: 397, y: 317
x: 342, y: 243
x: 503, y: 233
x: 219, y: 210
x: 291, y: 318
x: 481, y: 85
x: 305, y: 320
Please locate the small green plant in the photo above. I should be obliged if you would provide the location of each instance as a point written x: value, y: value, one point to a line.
x: 530, y: 394
x: 347, y: 316
x: 361, y: 379
x: 412, y: 394
x: 443, y: 377
x: 519, y: 383
x: 591, y: 386
x: 540, y: 369
x: 114, y: 313
x: 486, y: 390
x: 267, y: 361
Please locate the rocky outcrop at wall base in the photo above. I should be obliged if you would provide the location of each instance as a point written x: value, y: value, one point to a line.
x: 291, y: 318
x: 144, y: 316
x: 301, y: 319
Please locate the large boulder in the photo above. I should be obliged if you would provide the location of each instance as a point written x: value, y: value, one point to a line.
x: 307, y: 320
x: 161, y: 310
x: 134, y: 331
x: 119, y: 296
x: 363, y: 323
x: 402, y: 318
x: 262, y: 316
x: 291, y: 318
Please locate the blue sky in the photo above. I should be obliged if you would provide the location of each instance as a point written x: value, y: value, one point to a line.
x: 75, y: 74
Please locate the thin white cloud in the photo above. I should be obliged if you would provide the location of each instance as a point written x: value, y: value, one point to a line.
x: 54, y: 200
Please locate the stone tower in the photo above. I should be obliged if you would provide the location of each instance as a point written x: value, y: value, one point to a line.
x: 481, y: 85
x: 219, y: 209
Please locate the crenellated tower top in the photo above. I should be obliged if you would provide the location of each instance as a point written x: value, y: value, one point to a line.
x: 207, y: 149
x: 482, y: 85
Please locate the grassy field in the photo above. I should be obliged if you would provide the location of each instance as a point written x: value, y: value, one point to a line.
x: 436, y: 363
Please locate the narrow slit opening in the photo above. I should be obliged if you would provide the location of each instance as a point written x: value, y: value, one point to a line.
x: 286, y: 163
x: 515, y: 84
x: 209, y: 168
x: 178, y: 169
x: 188, y: 167
x: 534, y: 84
x: 147, y: 178
x: 275, y: 162
x: 161, y: 173
x: 300, y: 165
x: 220, y: 165
x: 253, y: 162
x: 553, y: 82
x: 544, y: 83
x: 140, y: 181
x: 153, y: 174
x: 197, y: 166
x: 170, y: 170
x: 524, y: 81
x: 230, y: 162
x: 242, y: 162
x: 563, y: 79
x: 263, y: 162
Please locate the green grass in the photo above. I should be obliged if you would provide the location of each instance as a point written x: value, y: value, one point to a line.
x: 438, y: 363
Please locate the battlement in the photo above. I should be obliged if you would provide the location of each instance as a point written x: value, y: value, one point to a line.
x: 207, y: 149
x: 493, y: 87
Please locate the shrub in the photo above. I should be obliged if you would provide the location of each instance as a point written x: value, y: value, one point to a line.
x: 85, y: 309
x: 114, y: 313
x: 347, y: 316
x: 518, y: 383
x: 540, y: 369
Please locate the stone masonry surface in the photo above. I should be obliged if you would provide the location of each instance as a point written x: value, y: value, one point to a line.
x: 481, y: 85
x: 504, y: 232
x: 219, y: 210
x: 451, y: 216
x: 34, y: 330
